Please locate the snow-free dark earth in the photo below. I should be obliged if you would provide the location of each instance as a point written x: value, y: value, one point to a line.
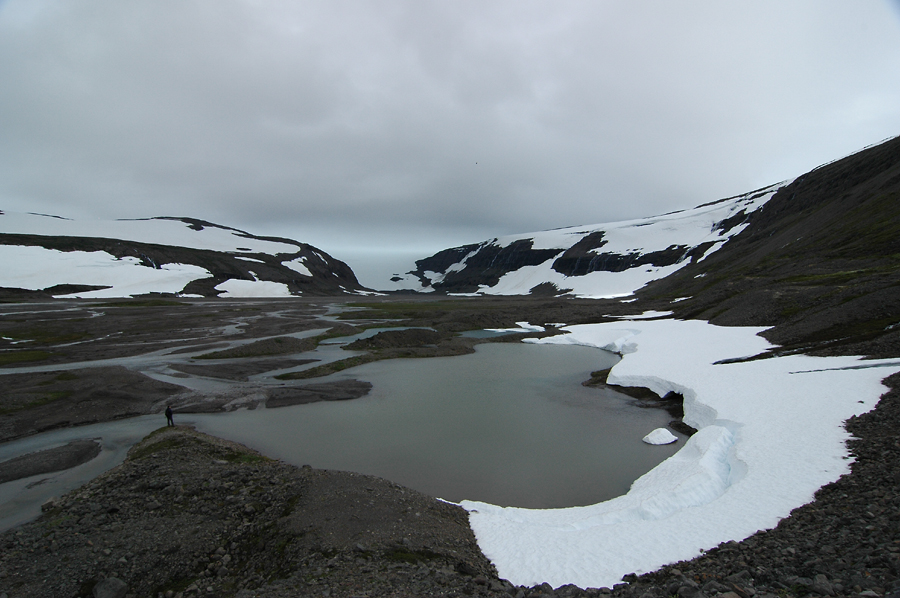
x: 767, y: 324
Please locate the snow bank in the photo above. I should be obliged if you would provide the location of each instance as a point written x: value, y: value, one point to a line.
x: 770, y: 434
x: 644, y: 316
x: 37, y: 268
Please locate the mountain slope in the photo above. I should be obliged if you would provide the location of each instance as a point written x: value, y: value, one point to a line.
x: 821, y: 260
x: 601, y: 260
x: 818, y: 256
x: 175, y: 256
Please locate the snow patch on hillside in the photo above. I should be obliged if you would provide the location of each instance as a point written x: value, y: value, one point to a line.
x: 645, y: 235
x: 299, y: 266
x: 252, y: 288
x: 37, y: 268
x: 770, y: 434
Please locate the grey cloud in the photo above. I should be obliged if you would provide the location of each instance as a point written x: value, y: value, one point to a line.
x: 289, y: 117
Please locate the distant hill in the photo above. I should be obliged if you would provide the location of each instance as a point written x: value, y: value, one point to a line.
x: 846, y: 210
x: 817, y: 258
x: 597, y: 260
x: 43, y: 255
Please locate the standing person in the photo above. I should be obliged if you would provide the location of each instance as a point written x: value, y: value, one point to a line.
x: 169, y: 420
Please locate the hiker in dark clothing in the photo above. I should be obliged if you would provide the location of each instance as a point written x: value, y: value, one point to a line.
x: 169, y: 421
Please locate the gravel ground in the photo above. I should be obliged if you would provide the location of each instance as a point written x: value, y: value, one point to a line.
x: 192, y: 515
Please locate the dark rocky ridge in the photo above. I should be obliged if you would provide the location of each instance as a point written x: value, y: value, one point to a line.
x: 489, y: 263
x: 582, y: 258
x: 820, y: 262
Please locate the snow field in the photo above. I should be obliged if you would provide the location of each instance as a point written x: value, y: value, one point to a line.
x: 37, y: 268
x: 594, y: 285
x: 770, y: 434
x: 656, y: 233
x: 690, y: 228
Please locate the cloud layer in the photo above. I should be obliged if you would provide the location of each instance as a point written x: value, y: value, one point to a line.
x: 431, y: 123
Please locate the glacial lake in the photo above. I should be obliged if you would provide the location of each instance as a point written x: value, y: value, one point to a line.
x: 510, y: 425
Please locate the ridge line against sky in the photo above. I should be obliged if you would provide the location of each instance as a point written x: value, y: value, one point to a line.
x: 384, y: 132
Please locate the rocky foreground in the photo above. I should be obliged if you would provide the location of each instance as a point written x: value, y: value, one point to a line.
x: 191, y: 515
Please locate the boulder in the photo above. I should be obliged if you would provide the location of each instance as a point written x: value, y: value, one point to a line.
x: 111, y: 587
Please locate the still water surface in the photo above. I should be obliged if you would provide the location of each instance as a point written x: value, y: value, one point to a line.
x: 510, y: 425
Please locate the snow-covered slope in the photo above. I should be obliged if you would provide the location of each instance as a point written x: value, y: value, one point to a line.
x: 177, y: 256
x: 601, y: 260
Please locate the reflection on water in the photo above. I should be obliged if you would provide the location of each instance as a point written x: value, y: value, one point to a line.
x: 510, y: 425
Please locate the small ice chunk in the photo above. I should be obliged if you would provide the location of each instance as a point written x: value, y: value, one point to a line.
x: 660, y: 436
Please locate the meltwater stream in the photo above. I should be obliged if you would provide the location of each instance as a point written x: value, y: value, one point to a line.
x: 509, y: 425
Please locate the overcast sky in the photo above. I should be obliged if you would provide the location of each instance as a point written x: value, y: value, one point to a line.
x: 375, y: 129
